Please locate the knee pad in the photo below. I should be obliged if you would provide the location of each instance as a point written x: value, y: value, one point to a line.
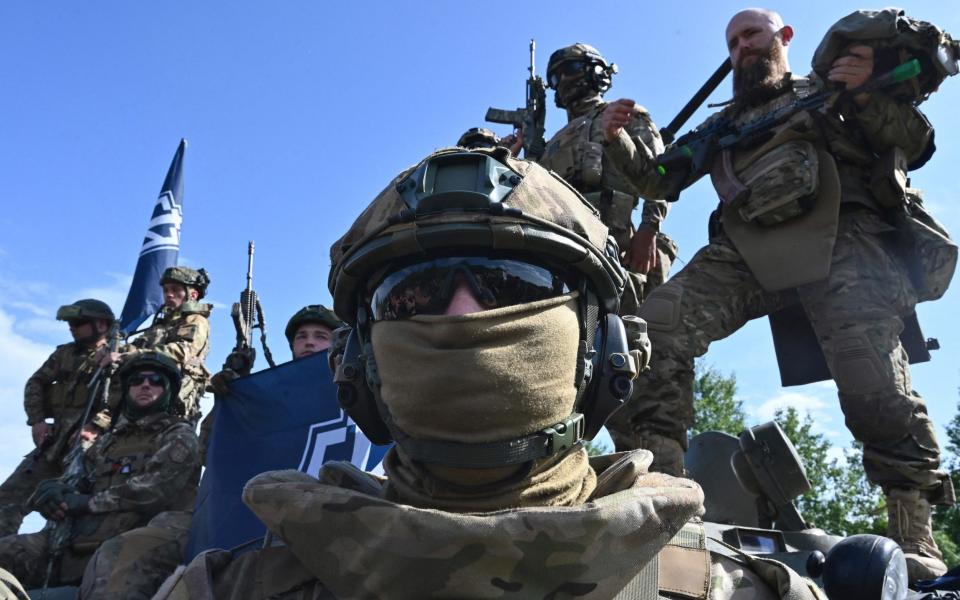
x: 661, y: 310
x: 858, y: 369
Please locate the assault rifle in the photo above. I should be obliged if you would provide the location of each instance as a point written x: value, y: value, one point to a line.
x: 694, y: 151
x: 74, y: 473
x: 531, y: 120
x: 247, y: 316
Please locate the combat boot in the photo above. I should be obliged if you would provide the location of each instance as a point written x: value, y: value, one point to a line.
x: 667, y: 452
x: 908, y: 524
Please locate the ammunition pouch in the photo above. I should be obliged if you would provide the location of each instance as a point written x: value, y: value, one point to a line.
x: 927, y: 249
x: 888, y: 179
x: 780, y: 185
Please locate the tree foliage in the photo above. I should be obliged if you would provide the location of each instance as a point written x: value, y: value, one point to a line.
x: 841, y: 499
x: 946, y: 521
x: 715, y: 399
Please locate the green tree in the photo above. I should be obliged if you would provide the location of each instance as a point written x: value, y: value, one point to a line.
x: 841, y: 500
x: 715, y: 399
x: 946, y: 520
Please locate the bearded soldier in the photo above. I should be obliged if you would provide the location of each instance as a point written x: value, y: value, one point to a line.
x: 58, y: 391
x: 580, y: 76
x: 146, y: 464
x: 489, y: 490
x: 180, y: 330
x: 802, y: 219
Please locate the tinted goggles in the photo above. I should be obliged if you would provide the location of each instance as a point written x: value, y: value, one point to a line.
x: 155, y: 379
x: 570, y: 67
x: 426, y: 288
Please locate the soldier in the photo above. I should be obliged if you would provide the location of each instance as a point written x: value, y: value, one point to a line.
x: 180, y: 330
x: 832, y: 255
x: 309, y: 330
x: 145, y: 465
x: 490, y: 492
x: 580, y: 76
x: 478, y: 137
x: 58, y: 391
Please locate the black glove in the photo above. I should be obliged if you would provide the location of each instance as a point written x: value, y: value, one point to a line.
x: 77, y: 504
x: 241, y: 361
x: 48, y: 497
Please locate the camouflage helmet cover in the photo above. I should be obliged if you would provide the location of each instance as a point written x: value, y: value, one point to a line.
x: 478, y: 137
x: 474, y: 202
x: 313, y: 313
x: 153, y: 361
x: 197, y: 279
x: 88, y: 308
x: 596, y: 72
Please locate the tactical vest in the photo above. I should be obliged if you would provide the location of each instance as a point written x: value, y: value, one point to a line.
x: 66, y: 398
x: 118, y: 459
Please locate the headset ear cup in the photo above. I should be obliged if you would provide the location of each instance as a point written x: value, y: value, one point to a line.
x: 355, y: 396
x: 613, y: 376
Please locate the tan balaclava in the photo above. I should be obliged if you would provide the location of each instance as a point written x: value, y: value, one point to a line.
x: 489, y: 376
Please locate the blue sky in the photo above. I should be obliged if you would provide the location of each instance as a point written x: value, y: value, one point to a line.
x: 298, y: 113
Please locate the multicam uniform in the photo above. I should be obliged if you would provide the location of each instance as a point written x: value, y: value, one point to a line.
x: 58, y: 391
x: 184, y: 335
x: 576, y: 154
x: 136, y: 471
x: 597, y: 549
x: 854, y: 295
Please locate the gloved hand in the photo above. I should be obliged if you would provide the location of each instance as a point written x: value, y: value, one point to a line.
x: 77, y: 504
x: 220, y: 382
x: 49, y: 497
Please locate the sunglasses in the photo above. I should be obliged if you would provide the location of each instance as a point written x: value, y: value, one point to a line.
x: 155, y: 379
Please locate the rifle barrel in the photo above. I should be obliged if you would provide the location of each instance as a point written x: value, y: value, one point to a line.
x: 669, y: 132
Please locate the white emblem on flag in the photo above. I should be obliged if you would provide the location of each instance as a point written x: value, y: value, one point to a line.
x: 326, y: 441
x: 163, y: 232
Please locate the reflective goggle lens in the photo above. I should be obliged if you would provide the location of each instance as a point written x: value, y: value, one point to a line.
x: 570, y: 67
x: 155, y: 379
x: 426, y: 288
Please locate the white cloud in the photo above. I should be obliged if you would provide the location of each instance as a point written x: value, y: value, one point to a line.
x: 804, y: 403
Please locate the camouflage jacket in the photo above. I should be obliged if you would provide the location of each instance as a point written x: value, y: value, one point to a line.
x: 854, y: 136
x: 576, y: 154
x: 183, y: 334
x: 58, y: 391
x: 134, y: 471
x: 341, y: 531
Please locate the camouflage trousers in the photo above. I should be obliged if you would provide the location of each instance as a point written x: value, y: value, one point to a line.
x: 134, y: 564
x: 17, y: 489
x: 855, y: 313
x: 26, y: 556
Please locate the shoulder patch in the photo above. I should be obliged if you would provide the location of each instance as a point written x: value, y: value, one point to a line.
x: 180, y: 453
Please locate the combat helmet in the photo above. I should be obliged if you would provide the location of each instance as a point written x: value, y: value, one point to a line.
x: 587, y: 73
x: 478, y: 137
x: 156, y: 361
x: 483, y: 203
x: 197, y: 279
x: 313, y: 313
x: 88, y: 308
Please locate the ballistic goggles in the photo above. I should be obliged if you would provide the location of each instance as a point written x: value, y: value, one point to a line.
x: 570, y: 67
x: 426, y: 288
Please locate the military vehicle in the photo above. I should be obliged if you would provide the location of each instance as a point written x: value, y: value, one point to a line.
x: 750, y: 483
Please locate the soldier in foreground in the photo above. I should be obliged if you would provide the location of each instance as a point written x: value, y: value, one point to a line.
x: 810, y: 228
x: 145, y: 465
x: 182, y: 331
x: 580, y: 76
x: 58, y: 391
x: 489, y: 490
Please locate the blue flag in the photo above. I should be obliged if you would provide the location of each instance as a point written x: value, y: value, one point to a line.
x: 160, y: 248
x: 286, y: 417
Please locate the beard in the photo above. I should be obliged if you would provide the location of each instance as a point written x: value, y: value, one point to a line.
x: 763, y: 80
